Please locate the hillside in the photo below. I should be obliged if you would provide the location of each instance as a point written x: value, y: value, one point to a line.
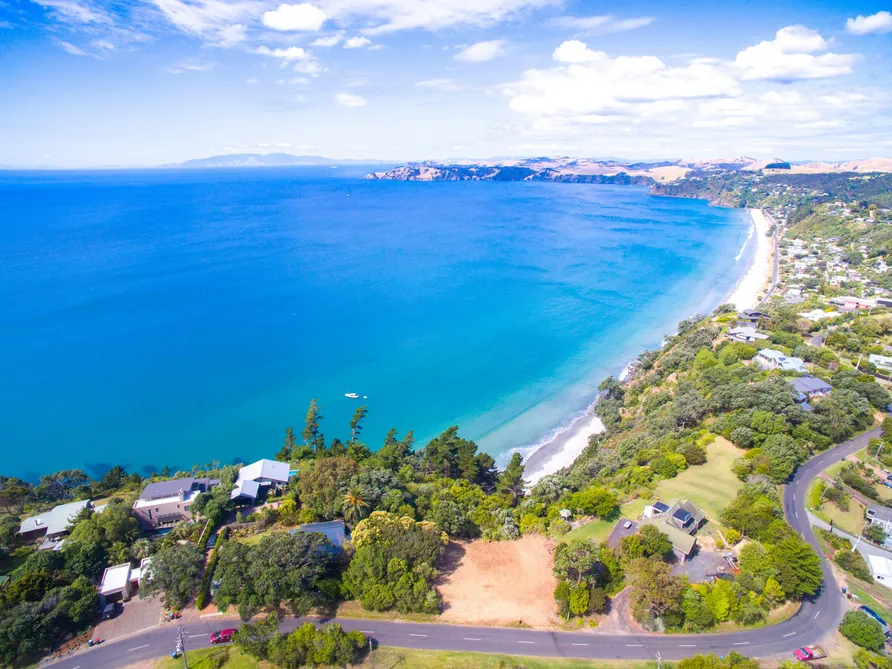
x: 267, y: 160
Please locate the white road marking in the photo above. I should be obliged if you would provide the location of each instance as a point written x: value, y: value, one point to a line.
x: 191, y: 634
x: 794, y: 496
x: 797, y: 514
x: 633, y: 645
x: 740, y: 643
x: 137, y: 648
x: 579, y: 644
x: 526, y: 642
x: 686, y: 645
x: 418, y: 635
x: 470, y: 638
x: 790, y: 634
x: 367, y: 631
x: 210, y: 615
x: 803, y: 534
x: 816, y: 615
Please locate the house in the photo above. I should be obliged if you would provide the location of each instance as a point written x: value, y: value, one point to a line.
x: 121, y: 581
x: 334, y: 531
x: 745, y: 334
x: 768, y: 358
x: 679, y: 520
x: 817, y: 314
x: 259, y: 478
x: 852, y: 303
x: 53, y: 524
x: 881, y: 569
x: 884, y: 301
x: 880, y: 515
x: 882, y: 362
x: 168, y: 502
x: 751, y: 316
x: 808, y: 386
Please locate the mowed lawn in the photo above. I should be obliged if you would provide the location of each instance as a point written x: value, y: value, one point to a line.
x: 710, y: 486
x: 600, y: 529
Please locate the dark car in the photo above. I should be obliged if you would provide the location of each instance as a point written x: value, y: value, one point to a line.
x: 223, y: 636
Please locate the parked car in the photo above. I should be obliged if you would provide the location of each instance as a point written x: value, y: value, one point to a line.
x: 627, y: 524
x: 809, y: 653
x: 223, y: 636
x: 109, y: 611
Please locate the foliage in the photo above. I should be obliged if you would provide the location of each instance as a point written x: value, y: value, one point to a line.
x: 854, y: 563
x: 175, y: 574
x: 307, y: 646
x: 204, y: 593
x: 861, y: 629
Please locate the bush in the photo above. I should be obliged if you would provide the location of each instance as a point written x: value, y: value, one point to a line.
x: 862, y: 630
x: 854, y: 563
x: 733, y: 536
x: 204, y: 595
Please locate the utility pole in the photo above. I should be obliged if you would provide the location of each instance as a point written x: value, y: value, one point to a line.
x: 181, y: 644
x: 371, y: 652
x: 659, y: 661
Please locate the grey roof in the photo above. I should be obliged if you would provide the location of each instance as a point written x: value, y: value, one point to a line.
x: 270, y: 470
x: 243, y: 488
x: 334, y: 531
x: 808, y: 385
x: 56, y: 520
x: 167, y: 488
x: 883, y: 513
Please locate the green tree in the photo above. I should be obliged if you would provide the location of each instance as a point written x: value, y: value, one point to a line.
x: 311, y: 434
x: 354, y: 505
x: 861, y: 629
x: 798, y: 566
x: 577, y: 561
x: 655, y: 591
x: 511, y: 482
x: 356, y: 422
x: 321, y: 485
x: 175, y: 574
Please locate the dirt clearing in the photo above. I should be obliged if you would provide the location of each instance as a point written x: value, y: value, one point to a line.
x: 500, y: 582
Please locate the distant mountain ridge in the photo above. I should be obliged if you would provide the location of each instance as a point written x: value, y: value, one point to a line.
x: 588, y: 170
x: 270, y: 160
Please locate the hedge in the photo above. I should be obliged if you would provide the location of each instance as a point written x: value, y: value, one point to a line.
x: 204, y: 595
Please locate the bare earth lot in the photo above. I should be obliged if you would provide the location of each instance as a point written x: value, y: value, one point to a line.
x: 501, y: 582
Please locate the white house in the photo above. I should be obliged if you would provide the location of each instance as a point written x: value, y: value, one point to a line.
x: 883, y: 362
x: 260, y: 476
x: 768, y: 358
x: 881, y: 569
x: 120, y: 582
x: 745, y: 334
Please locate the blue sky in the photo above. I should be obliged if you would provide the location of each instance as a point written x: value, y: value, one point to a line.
x: 147, y: 82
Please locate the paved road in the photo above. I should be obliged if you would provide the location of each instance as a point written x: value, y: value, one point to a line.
x: 815, y: 619
x: 864, y: 547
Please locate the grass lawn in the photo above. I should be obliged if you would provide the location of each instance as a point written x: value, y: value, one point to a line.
x: 402, y: 658
x: 255, y: 538
x: 353, y: 609
x: 15, y: 559
x: 875, y: 596
x: 851, y: 521
x: 599, y: 529
x: 710, y: 486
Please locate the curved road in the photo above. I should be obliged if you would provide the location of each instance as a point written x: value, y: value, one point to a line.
x: 815, y: 619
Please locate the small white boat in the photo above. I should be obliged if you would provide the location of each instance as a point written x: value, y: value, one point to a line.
x: 352, y: 396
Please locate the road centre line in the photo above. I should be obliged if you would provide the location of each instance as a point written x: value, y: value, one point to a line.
x: 816, y: 616
x: 526, y: 642
x: 633, y: 645
x: 470, y: 638
x: 740, y: 643
x: 138, y: 648
x: 367, y: 631
x: 417, y: 634
x: 202, y: 634
x: 579, y: 644
x: 790, y: 634
x: 686, y: 645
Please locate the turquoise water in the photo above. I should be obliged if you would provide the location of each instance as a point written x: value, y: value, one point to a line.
x: 155, y: 318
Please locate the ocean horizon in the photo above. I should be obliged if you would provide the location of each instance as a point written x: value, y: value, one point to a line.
x: 156, y: 318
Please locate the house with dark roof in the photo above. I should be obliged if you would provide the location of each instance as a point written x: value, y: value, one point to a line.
x: 750, y: 317
x: 168, y: 502
x: 880, y: 515
x: 807, y: 387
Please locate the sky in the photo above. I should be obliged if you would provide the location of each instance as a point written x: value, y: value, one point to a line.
x: 90, y: 83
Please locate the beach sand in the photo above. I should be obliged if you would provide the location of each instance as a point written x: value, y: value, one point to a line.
x: 564, y: 447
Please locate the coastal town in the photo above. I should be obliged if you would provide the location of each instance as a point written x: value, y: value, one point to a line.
x: 738, y: 486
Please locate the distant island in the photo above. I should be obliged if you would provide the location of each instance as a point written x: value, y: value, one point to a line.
x: 270, y: 160
x: 587, y: 170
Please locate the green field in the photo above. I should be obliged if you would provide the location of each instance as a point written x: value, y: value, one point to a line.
x: 599, y: 529
x: 401, y: 658
x: 710, y: 486
x: 851, y: 521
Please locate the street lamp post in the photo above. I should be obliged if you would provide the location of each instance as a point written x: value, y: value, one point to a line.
x: 181, y: 645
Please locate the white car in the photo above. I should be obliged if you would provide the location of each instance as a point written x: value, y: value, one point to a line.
x: 627, y: 524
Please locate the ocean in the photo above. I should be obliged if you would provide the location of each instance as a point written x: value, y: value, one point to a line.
x: 173, y: 317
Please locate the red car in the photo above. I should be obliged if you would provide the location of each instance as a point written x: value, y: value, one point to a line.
x: 223, y: 636
x: 803, y: 654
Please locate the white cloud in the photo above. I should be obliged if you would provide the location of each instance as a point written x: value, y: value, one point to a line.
x: 350, y: 100
x: 790, y: 57
x: 305, y: 16
x: 289, y: 54
x: 601, y: 24
x: 447, y: 85
x: 294, y: 81
x: 881, y: 22
x: 102, y: 44
x: 75, y: 11
x: 331, y: 40
x: 217, y: 21
x: 392, y: 15
x: 192, y: 66
x: 252, y: 81
x: 72, y: 49
x: 592, y: 88
x: 310, y: 67
x: 574, y: 51
x: 357, y: 42
x: 481, y: 51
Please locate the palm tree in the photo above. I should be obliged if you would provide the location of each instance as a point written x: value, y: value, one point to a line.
x: 142, y: 548
x: 355, y: 507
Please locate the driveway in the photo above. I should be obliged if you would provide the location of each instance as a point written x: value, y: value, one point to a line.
x: 139, y: 613
x: 703, y: 564
x: 619, y: 532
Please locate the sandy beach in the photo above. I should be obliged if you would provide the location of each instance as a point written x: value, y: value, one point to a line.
x: 755, y: 281
x: 565, y: 446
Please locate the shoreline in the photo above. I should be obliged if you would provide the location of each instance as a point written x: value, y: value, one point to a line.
x: 562, y: 448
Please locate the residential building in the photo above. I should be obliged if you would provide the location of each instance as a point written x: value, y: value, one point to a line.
x: 881, y: 569
x: 880, y: 515
x: 334, y: 531
x: 679, y: 520
x: 53, y: 524
x: 745, y: 334
x: 257, y: 479
x: 818, y: 314
x: 768, y: 358
x: 751, y: 316
x: 882, y: 362
x: 167, y: 502
x: 809, y: 386
x: 852, y: 303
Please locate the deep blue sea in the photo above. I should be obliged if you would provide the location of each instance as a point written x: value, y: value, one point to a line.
x: 169, y: 317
